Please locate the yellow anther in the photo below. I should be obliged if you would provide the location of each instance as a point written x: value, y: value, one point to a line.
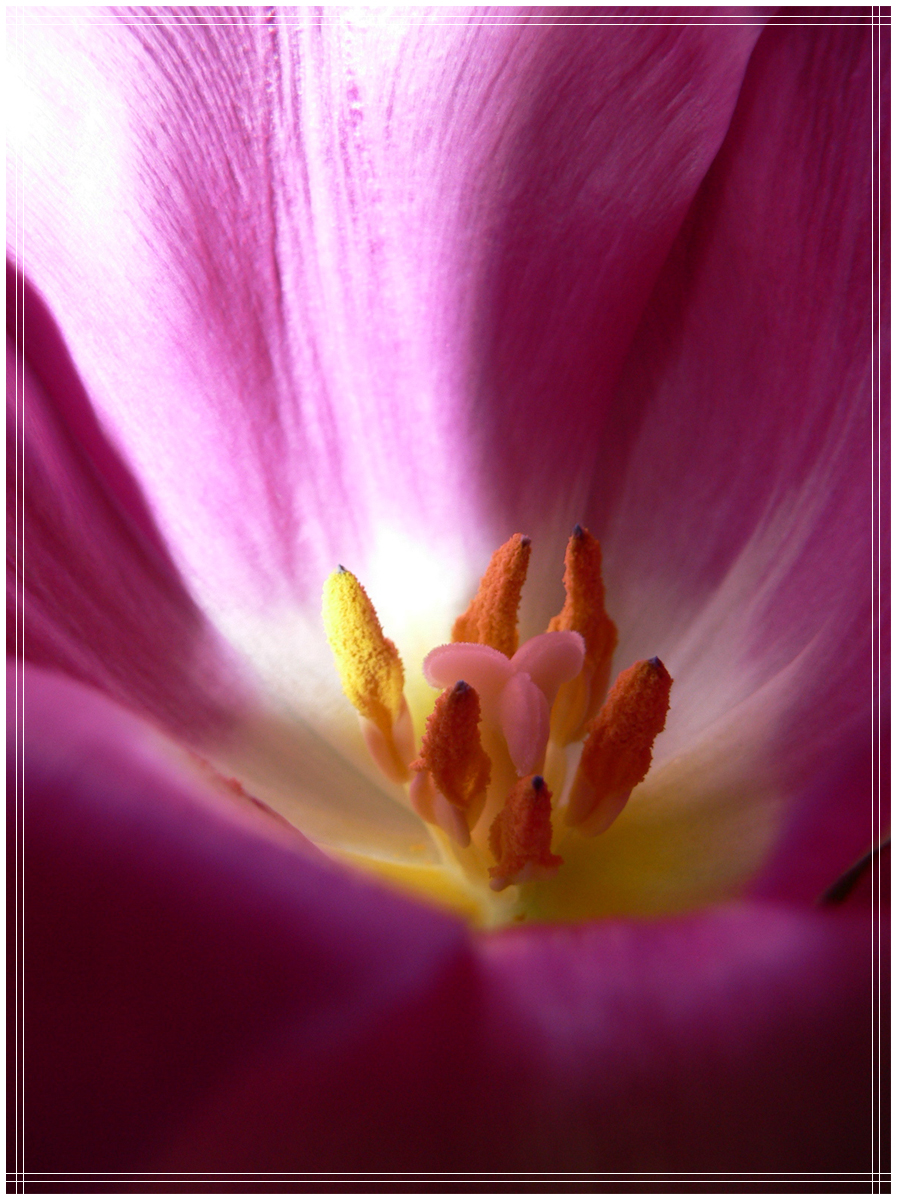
x: 451, y: 749
x: 617, y: 751
x: 584, y: 613
x: 520, y: 836
x: 491, y: 618
x: 369, y: 666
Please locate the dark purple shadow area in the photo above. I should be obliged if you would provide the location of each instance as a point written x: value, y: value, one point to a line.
x: 92, y: 589
x: 827, y: 831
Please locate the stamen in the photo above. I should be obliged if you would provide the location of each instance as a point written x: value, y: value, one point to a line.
x: 370, y: 671
x: 491, y: 618
x: 584, y: 612
x: 520, y: 836
x: 452, y: 763
x: 617, y: 752
x: 505, y: 718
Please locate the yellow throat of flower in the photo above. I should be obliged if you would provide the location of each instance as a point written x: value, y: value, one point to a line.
x: 496, y: 777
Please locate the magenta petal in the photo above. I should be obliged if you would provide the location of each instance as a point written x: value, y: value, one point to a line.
x: 614, y: 132
x: 171, y: 936
x: 204, y: 992
x: 738, y: 1041
x: 741, y: 440
x: 831, y: 823
x: 274, y: 244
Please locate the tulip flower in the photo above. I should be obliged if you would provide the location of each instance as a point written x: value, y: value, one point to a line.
x: 296, y: 288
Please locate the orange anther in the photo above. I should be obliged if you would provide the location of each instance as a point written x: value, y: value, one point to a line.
x: 491, y: 618
x: 451, y: 750
x: 584, y: 613
x: 617, y: 751
x: 520, y: 836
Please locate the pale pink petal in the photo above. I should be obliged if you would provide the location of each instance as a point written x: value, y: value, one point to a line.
x: 330, y: 260
x: 421, y: 793
x: 450, y: 820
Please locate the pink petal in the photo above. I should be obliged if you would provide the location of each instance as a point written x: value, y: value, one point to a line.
x: 613, y: 132
x: 749, y: 481
x: 94, y: 591
x: 712, y: 1044
x: 825, y: 832
x: 736, y: 1040
x: 304, y: 241
x: 733, y: 483
x: 98, y: 597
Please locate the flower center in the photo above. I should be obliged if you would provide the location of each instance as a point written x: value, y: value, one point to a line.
x: 490, y: 778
